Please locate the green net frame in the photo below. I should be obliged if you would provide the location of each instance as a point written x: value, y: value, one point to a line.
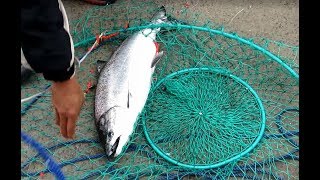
x: 189, y: 121
x: 269, y: 67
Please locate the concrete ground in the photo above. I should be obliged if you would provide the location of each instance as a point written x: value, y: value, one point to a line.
x: 274, y: 19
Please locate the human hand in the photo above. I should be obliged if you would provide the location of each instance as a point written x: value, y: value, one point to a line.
x: 67, y: 99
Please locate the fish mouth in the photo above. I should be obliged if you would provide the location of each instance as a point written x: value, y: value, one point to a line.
x: 113, y: 149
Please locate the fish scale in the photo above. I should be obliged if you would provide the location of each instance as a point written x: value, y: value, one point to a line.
x: 123, y: 87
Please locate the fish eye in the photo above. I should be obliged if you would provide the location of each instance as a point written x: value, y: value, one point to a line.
x: 110, y: 134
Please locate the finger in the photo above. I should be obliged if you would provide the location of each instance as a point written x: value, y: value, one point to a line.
x: 83, y: 99
x: 63, y: 125
x: 57, y: 117
x: 71, y: 126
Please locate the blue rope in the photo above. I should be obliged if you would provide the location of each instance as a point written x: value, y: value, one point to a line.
x: 237, y: 172
x: 61, y: 165
x: 287, y: 135
x: 132, y: 147
x: 280, y: 127
x: 51, y: 164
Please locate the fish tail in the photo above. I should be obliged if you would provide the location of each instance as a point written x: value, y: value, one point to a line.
x: 160, y: 16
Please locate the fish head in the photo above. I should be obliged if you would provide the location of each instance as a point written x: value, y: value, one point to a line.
x: 160, y: 15
x: 115, y: 128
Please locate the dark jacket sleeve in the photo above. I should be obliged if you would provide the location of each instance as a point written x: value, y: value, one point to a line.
x: 45, y: 43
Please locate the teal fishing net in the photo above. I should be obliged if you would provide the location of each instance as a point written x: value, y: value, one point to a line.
x: 220, y: 107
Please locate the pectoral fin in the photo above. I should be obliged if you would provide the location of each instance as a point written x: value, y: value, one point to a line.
x: 156, y: 59
x: 100, y: 65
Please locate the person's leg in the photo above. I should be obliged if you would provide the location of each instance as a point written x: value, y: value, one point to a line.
x: 26, y: 70
x: 100, y: 2
x: 25, y: 73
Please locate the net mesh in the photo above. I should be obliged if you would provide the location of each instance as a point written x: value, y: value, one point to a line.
x: 203, y: 126
x: 220, y: 107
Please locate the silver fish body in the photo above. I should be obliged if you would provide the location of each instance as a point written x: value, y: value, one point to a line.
x: 123, y: 88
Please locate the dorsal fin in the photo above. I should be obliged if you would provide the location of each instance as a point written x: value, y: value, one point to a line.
x: 128, y: 101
